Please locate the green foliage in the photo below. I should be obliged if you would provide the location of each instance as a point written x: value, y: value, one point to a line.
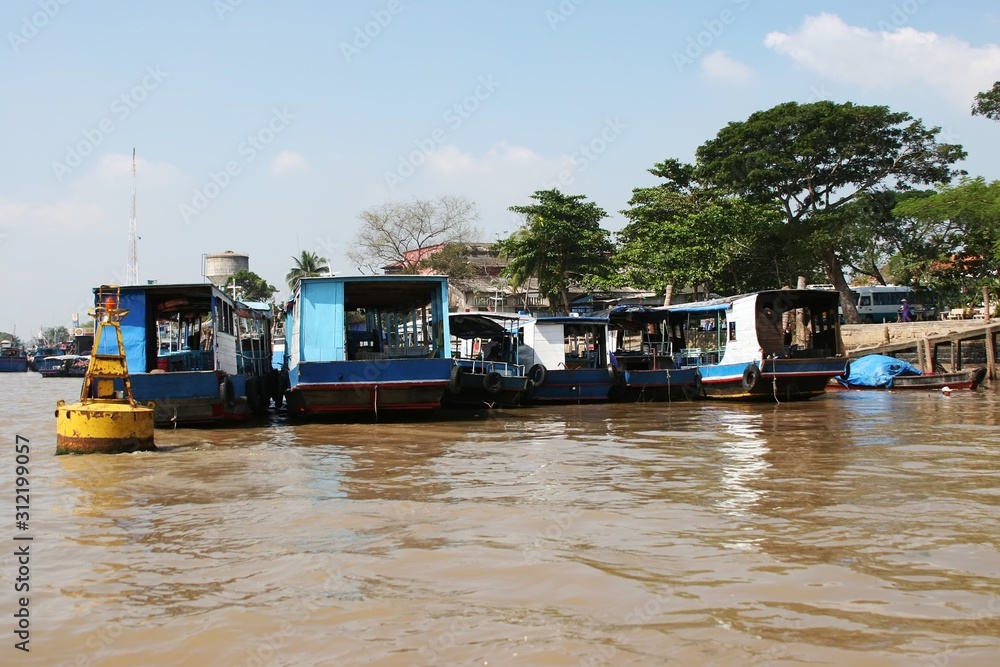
x: 813, y: 159
x: 988, y: 103
x: 452, y: 260
x: 251, y: 286
x: 955, y: 237
x: 561, y: 244
x: 683, y: 233
x: 55, y: 335
x: 307, y: 265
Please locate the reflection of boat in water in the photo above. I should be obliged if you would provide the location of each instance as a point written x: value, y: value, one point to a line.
x: 198, y: 354
x: 13, y: 359
x: 63, y: 365
x: 744, y: 345
x: 643, y: 349
x: 878, y: 371
x: 487, y: 370
x: 367, y: 344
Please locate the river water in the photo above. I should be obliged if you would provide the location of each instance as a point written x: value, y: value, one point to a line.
x: 856, y: 528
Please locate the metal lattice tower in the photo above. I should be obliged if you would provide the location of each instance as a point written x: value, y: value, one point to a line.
x: 132, y: 269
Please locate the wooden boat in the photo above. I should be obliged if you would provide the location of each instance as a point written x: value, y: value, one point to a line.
x: 13, y: 359
x: 568, y: 359
x: 367, y: 345
x: 744, y: 346
x: 487, y: 371
x: 882, y: 372
x: 643, y: 350
x: 201, y: 356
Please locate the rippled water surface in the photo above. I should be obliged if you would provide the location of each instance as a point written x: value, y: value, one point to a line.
x: 856, y: 528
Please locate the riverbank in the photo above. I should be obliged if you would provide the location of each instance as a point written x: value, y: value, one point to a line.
x: 856, y: 336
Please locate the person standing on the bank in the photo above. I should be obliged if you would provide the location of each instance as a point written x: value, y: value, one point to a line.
x: 906, y: 315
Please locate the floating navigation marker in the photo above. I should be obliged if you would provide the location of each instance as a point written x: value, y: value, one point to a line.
x: 106, y: 420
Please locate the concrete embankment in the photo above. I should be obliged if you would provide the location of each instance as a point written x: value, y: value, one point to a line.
x: 873, y: 335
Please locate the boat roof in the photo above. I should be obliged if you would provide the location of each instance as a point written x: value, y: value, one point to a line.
x: 570, y: 319
x: 793, y: 297
x: 485, y: 324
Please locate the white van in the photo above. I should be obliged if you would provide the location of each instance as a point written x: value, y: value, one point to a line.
x: 883, y: 303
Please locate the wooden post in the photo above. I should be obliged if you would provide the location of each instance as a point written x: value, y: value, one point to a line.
x: 956, y: 355
x: 986, y: 303
x: 991, y: 362
x: 800, y: 318
x: 927, y: 364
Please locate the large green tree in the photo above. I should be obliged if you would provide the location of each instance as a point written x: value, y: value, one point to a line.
x: 561, y: 244
x: 956, y: 233
x: 307, y: 265
x: 988, y: 103
x: 251, y: 287
x: 812, y: 159
x: 389, y: 232
x: 683, y: 233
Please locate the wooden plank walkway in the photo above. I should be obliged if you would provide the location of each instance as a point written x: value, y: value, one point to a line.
x: 927, y: 346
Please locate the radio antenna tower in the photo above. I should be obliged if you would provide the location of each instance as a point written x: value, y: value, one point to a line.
x: 132, y: 270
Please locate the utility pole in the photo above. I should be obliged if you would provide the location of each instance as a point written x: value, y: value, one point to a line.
x: 132, y: 269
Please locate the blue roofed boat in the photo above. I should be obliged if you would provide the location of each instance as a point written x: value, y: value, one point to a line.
x: 367, y: 345
x: 771, y: 345
x: 568, y: 359
x: 643, y: 352
x: 198, y: 354
x: 13, y: 358
x: 487, y: 370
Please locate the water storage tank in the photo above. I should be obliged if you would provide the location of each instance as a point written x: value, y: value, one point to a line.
x: 220, y: 266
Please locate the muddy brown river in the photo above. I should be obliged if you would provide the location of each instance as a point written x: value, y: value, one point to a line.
x: 853, y: 529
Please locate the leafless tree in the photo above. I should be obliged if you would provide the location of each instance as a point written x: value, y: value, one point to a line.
x: 389, y: 230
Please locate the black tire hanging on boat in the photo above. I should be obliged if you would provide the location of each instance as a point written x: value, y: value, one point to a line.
x: 256, y: 395
x: 493, y: 382
x: 455, y: 379
x: 751, y: 375
x: 537, y: 374
x: 226, y: 392
x: 615, y: 376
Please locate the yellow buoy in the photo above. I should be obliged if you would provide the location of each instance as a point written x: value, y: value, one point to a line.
x: 105, y: 421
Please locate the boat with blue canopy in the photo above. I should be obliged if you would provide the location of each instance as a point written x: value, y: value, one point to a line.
x: 487, y: 371
x: 367, y: 345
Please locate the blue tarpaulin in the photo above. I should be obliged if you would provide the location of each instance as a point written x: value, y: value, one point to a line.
x: 878, y: 370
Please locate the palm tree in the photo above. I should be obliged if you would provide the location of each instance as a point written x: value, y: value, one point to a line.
x: 308, y: 264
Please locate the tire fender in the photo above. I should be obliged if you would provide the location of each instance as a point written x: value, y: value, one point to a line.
x: 751, y: 376
x: 493, y: 382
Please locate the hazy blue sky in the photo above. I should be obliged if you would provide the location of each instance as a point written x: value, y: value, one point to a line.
x: 267, y: 127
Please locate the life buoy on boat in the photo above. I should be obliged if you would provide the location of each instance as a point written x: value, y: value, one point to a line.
x: 455, y: 379
x: 493, y: 382
x: 226, y: 392
x: 751, y: 375
x: 537, y: 374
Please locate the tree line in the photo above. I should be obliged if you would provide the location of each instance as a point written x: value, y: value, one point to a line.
x: 830, y: 191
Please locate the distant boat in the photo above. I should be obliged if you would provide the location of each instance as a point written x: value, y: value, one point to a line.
x: 198, y: 354
x: 13, y: 359
x: 487, y: 369
x: 568, y: 360
x: 745, y: 347
x: 63, y: 365
x: 367, y: 345
x: 39, y: 353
